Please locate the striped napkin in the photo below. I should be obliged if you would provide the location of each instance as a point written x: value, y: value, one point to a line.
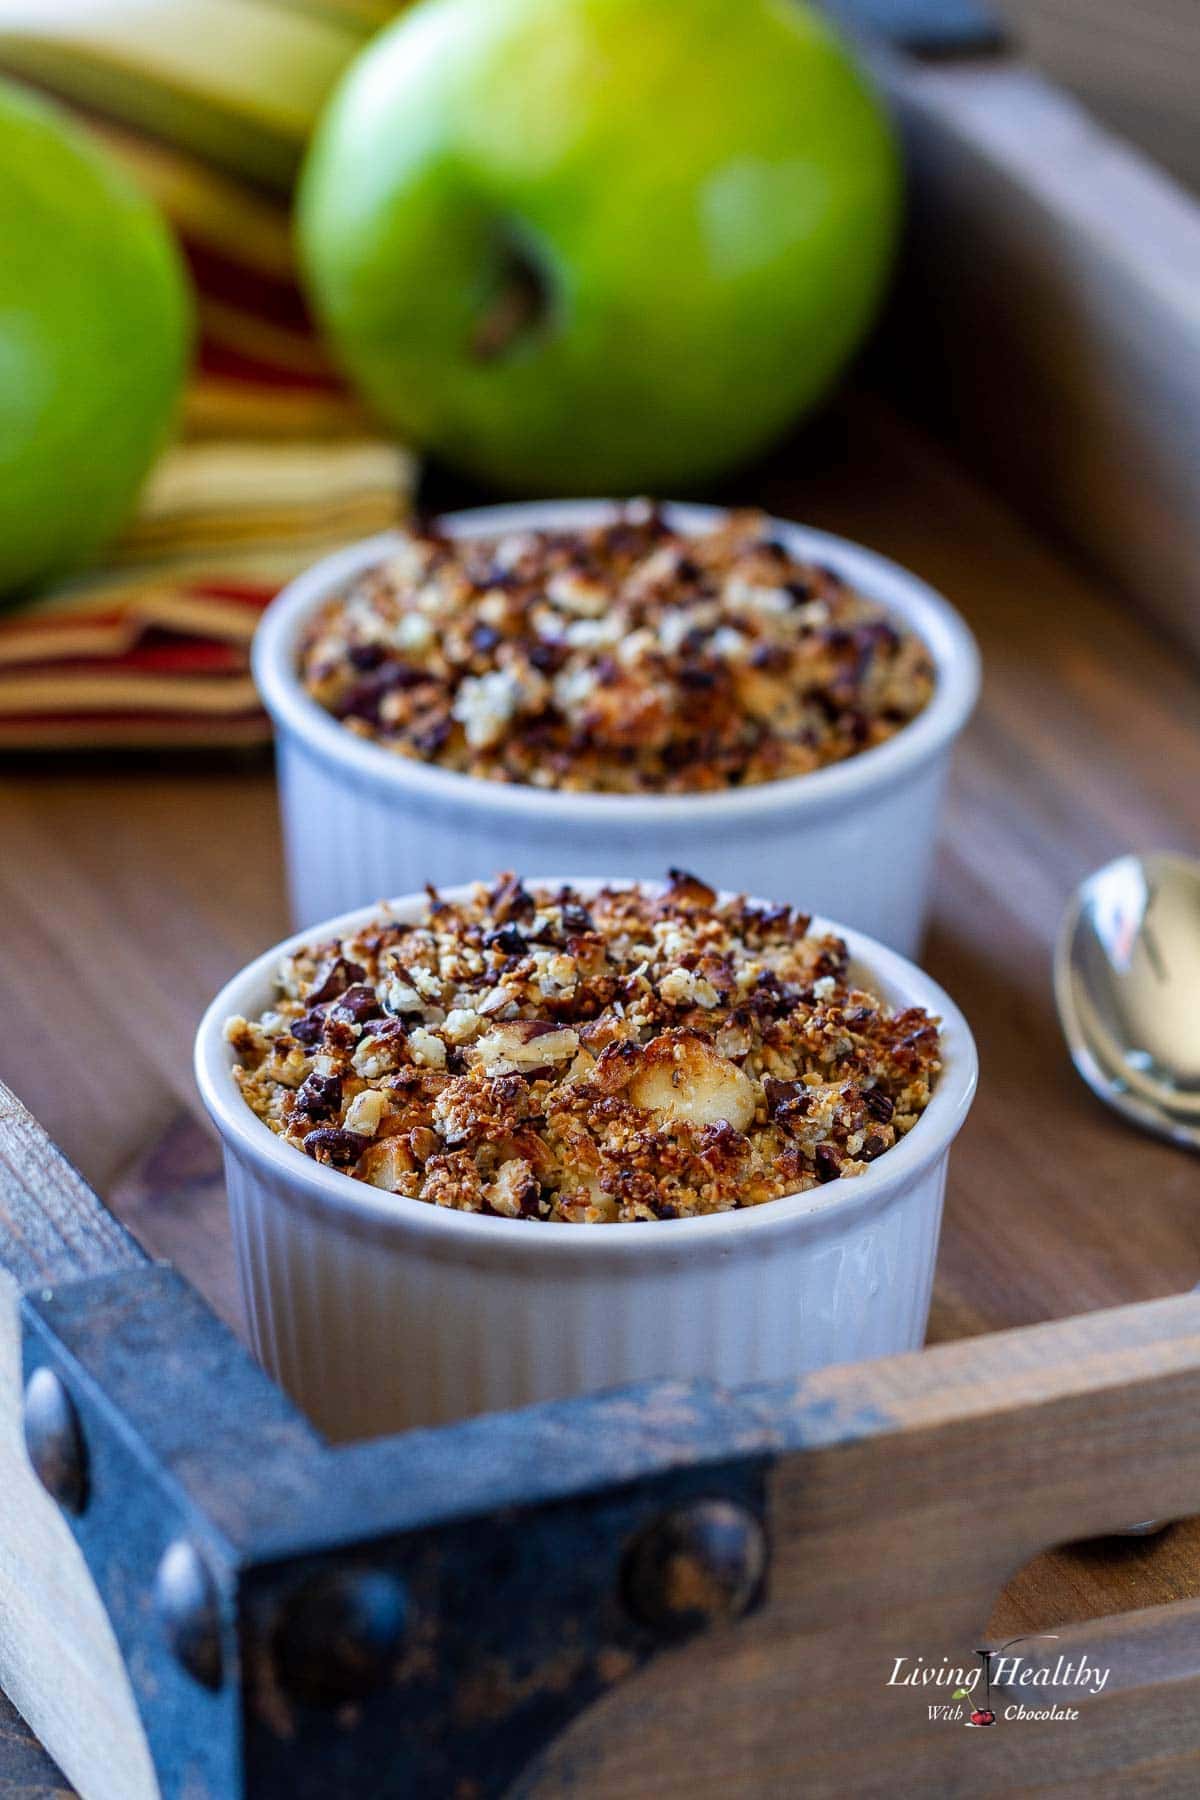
x: 274, y: 466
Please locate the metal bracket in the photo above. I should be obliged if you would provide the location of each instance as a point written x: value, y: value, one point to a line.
x: 434, y: 1607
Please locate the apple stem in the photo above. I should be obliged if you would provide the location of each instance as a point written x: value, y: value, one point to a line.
x: 521, y: 302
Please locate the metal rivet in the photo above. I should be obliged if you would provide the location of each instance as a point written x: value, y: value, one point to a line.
x: 189, y: 1609
x: 698, y: 1565
x: 339, y: 1635
x: 54, y: 1440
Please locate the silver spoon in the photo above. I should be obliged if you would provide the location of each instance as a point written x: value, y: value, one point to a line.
x: 1127, y: 983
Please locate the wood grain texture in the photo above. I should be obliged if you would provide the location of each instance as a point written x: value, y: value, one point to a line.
x: 172, y: 1197
x: 922, y: 1482
x: 59, y: 1661
x: 130, y: 893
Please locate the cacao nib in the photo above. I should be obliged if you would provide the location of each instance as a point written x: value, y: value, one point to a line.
x: 365, y: 656
x: 721, y: 1136
x: 547, y: 658
x: 879, y: 636
x: 690, y: 888
x: 310, y: 1029
x: 398, y: 675
x: 881, y: 1106
x: 828, y: 1162
x: 790, y: 1094
x: 431, y: 738
x: 767, y: 919
x: 319, y: 1095
x: 510, y: 900
x: 357, y: 1005
x: 769, y: 996
x: 341, y: 1147
x: 333, y: 978
x: 360, y: 702
x: 509, y: 940
x: 925, y: 1034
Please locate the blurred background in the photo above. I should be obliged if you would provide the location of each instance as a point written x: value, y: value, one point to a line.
x: 1134, y: 66
x: 181, y: 436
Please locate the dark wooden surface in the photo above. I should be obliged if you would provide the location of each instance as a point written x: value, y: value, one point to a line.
x: 129, y: 894
x: 972, y: 1456
x: 50, y: 1232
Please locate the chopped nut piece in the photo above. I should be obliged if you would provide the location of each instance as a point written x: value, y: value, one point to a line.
x: 462, y: 1024
x: 319, y: 1095
x: 515, y: 1189
x: 388, y: 1163
x: 687, y: 890
x: 333, y: 978
x: 364, y: 1112
x: 336, y: 1146
x: 427, y: 1048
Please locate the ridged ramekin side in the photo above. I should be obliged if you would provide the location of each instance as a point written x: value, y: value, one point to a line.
x: 350, y: 844
x: 371, y: 1337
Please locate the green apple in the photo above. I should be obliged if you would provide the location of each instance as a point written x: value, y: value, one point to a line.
x: 599, y: 244
x: 94, y: 336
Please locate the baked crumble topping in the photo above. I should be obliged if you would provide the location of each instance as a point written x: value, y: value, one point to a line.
x: 625, y: 659
x: 626, y: 1056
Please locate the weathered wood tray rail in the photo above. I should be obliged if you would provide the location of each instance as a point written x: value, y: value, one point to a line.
x: 666, y: 1590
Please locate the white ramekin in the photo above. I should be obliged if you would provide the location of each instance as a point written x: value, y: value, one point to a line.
x: 853, y: 842
x: 378, y: 1312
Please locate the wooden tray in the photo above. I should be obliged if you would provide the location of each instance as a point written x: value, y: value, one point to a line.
x: 666, y: 1590
x: 129, y: 895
